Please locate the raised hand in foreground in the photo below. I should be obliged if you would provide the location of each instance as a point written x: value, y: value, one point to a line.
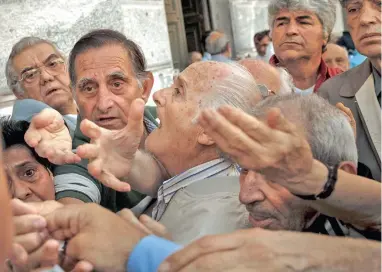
x: 50, y: 138
x: 111, y: 152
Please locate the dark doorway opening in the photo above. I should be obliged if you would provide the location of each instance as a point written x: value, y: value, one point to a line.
x: 197, y: 23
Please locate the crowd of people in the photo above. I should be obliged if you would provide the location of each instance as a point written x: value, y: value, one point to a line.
x: 265, y: 164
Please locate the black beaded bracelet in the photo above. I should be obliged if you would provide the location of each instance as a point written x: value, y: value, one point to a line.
x: 328, y: 187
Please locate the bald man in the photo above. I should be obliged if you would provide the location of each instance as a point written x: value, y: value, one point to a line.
x: 336, y: 56
x: 219, y: 46
x: 277, y: 80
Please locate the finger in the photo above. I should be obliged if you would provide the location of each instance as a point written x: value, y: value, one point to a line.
x: 32, y: 137
x: 89, y: 129
x: 45, y: 118
x: 28, y: 223
x: 31, y: 241
x: 205, y: 245
x: 226, y: 135
x: 95, y: 168
x: 277, y: 121
x: 20, y: 208
x: 48, y: 255
x: 112, y: 182
x: 88, y: 151
x: 83, y: 266
x: 63, y: 157
x: 250, y: 125
x: 155, y: 227
x: 129, y: 217
x: 135, y: 117
x: 19, y: 256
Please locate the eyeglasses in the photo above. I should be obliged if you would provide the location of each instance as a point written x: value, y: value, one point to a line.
x: 53, y: 67
x: 265, y: 92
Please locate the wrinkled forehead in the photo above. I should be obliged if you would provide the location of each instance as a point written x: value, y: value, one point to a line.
x: 202, y: 76
x: 17, y: 154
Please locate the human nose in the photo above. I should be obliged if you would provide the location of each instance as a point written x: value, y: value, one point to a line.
x: 105, y: 99
x: 22, y: 191
x: 250, y: 188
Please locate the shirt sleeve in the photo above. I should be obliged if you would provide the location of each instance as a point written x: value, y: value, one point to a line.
x: 149, y: 253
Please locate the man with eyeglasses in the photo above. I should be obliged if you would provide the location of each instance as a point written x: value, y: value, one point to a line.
x: 37, y: 75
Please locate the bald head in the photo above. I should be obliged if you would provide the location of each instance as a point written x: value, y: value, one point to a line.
x: 276, y: 80
x: 218, y: 43
x: 195, y: 57
x: 336, y: 56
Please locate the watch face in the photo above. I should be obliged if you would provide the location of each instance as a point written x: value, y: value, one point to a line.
x: 263, y: 90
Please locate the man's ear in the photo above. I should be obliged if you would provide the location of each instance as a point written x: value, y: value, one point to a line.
x: 348, y: 167
x: 147, y: 86
x: 204, y: 139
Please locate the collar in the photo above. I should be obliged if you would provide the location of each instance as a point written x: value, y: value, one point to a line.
x: 324, y: 72
x: 355, y: 78
x: 217, y: 167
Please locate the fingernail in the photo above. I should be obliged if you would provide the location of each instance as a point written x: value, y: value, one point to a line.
x: 164, y: 267
x: 39, y: 223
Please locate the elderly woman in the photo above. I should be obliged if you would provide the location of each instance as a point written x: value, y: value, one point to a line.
x: 300, y: 31
x: 29, y: 176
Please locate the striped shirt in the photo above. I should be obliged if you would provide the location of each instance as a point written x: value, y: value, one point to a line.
x: 334, y: 227
x: 218, y: 167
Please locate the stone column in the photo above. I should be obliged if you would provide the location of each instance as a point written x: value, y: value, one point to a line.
x: 65, y: 21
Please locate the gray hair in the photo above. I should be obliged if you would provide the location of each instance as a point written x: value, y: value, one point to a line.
x: 20, y: 46
x: 287, y: 85
x: 327, y: 129
x: 239, y: 90
x: 324, y: 9
x: 217, y: 46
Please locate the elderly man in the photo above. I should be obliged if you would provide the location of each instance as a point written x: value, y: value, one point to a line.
x: 300, y: 32
x: 37, y: 75
x: 219, y: 47
x: 275, y: 79
x: 336, y: 56
x: 360, y: 88
x: 263, y: 44
x: 107, y: 72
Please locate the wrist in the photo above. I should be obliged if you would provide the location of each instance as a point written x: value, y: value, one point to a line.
x: 314, y: 181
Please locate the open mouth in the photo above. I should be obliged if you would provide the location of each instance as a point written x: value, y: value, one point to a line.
x: 51, y: 91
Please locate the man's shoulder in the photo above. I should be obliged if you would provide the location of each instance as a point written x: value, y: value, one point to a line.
x: 333, y: 84
x: 25, y: 109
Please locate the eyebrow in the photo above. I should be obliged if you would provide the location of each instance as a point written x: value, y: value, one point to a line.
x: 304, y: 17
x: 118, y: 75
x: 51, y: 56
x: 22, y: 164
x: 283, y: 18
x: 84, y: 81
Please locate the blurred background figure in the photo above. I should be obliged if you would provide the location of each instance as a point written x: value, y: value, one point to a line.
x: 195, y: 57
x: 336, y: 56
x: 219, y: 46
x: 355, y: 58
x: 264, y: 46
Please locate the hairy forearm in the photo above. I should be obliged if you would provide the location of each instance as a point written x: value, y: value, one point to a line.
x: 355, y: 199
x: 146, y: 174
x: 314, y: 252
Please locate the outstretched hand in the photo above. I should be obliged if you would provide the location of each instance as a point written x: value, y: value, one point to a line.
x: 274, y: 147
x: 111, y: 152
x: 50, y: 138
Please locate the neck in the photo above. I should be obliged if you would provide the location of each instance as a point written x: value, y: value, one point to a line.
x: 303, y: 71
x: 376, y: 62
x: 70, y: 108
x: 176, y: 166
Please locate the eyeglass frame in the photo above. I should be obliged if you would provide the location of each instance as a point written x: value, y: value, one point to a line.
x: 22, y: 79
x: 265, y: 92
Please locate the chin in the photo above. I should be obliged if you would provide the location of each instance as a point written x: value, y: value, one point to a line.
x: 371, y: 50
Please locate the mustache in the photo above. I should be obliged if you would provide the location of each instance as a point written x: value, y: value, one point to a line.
x: 261, y: 212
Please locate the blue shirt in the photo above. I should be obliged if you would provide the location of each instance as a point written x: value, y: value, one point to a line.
x: 149, y: 253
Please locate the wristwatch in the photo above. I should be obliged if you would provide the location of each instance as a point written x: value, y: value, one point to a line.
x: 328, y: 187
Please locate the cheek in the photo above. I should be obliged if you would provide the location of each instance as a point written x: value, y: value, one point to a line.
x: 86, y: 106
x: 44, y: 188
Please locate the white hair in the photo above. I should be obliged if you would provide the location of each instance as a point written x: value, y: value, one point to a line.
x: 327, y: 129
x: 239, y: 90
x: 324, y: 9
x: 218, y: 45
x: 287, y: 85
x: 19, y: 47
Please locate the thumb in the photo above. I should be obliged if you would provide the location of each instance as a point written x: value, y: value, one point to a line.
x: 90, y: 129
x: 276, y: 120
x: 135, y: 117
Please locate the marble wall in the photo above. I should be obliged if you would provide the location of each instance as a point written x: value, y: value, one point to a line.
x: 65, y: 21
